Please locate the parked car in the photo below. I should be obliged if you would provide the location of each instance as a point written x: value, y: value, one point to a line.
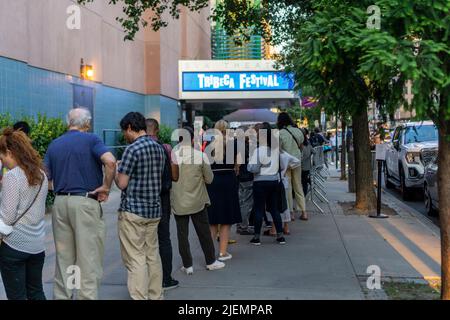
x: 414, y: 145
x: 430, y: 188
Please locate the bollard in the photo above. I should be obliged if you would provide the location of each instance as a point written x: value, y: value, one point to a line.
x: 351, y: 171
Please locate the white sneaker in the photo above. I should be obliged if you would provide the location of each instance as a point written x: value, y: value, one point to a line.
x: 216, y: 265
x: 225, y: 256
x: 189, y: 271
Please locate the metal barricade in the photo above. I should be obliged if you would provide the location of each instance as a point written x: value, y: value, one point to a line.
x: 319, y: 175
x: 112, y: 142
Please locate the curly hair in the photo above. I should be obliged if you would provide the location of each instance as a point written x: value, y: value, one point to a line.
x: 24, y: 154
x: 284, y: 120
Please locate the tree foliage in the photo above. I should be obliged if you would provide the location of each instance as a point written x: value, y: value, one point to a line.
x: 138, y: 13
x: 413, y: 44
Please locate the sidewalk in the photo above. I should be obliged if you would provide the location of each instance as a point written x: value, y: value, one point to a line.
x: 324, y: 258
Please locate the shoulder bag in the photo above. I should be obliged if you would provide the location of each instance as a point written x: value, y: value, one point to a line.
x: 5, y: 230
x: 282, y: 202
x: 295, y: 139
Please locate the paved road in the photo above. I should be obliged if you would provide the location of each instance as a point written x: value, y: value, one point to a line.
x: 417, y: 204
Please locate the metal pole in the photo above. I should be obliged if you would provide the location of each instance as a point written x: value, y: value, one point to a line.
x: 337, y: 141
x: 379, y: 214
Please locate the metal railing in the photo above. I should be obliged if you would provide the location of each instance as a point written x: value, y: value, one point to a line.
x: 116, y: 149
x: 319, y: 175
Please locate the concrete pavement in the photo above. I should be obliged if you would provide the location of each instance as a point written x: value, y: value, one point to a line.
x: 324, y: 258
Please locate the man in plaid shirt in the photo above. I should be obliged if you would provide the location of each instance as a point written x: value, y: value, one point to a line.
x: 139, y: 177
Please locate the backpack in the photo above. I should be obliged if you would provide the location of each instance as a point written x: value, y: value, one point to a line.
x: 316, y: 140
x: 166, y: 179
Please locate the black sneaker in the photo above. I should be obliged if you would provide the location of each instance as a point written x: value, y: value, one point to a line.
x: 255, y: 242
x: 281, y: 240
x: 171, y: 284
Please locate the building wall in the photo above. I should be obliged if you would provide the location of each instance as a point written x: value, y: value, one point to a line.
x: 40, y: 60
x: 165, y: 109
x: 27, y: 90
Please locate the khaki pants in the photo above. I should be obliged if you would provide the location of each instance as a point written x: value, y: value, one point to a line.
x: 295, y: 183
x: 140, y: 253
x: 79, y: 232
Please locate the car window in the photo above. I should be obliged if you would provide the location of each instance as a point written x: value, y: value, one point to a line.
x: 401, y: 133
x: 421, y: 134
x: 396, y: 133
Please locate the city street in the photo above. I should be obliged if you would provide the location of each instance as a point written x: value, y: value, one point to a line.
x: 324, y: 258
x: 96, y: 94
x: 416, y: 204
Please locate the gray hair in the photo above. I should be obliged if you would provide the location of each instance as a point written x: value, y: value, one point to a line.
x: 79, y: 118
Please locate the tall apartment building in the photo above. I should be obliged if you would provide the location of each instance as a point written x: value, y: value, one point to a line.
x: 224, y: 47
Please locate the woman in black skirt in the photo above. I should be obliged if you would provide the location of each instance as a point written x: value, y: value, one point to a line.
x: 224, y: 195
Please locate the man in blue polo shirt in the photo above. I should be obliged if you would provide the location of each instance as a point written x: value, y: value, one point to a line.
x: 74, y: 164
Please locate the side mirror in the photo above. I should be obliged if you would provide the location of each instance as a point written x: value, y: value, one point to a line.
x: 396, y: 144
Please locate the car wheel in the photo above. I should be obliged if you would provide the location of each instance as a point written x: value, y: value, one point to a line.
x: 387, y: 183
x: 405, y: 191
x: 428, y: 201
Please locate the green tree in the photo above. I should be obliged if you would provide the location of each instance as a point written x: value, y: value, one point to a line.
x: 413, y: 43
x: 329, y: 47
x: 134, y: 12
x: 316, y: 38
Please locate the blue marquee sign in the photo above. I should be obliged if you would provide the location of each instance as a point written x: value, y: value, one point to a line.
x: 237, y: 81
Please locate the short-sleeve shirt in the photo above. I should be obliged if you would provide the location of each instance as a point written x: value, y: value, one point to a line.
x: 143, y: 162
x: 290, y: 140
x: 73, y: 162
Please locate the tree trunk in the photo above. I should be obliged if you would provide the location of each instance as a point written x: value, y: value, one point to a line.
x: 365, y: 194
x: 444, y: 191
x: 351, y: 163
x: 343, y: 152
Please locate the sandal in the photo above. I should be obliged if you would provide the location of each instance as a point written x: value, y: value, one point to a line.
x: 304, y: 218
x: 230, y: 241
x: 268, y: 233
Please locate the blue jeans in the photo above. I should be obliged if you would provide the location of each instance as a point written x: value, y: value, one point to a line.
x: 265, y: 195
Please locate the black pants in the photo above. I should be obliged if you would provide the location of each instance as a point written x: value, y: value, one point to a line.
x: 306, y: 180
x: 22, y: 273
x: 201, y: 225
x: 265, y: 196
x: 165, y: 246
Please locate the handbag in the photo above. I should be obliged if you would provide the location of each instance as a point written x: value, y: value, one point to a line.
x: 282, y: 202
x: 5, y: 230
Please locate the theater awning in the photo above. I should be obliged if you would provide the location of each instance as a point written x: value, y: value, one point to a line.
x: 235, y: 84
x: 252, y: 116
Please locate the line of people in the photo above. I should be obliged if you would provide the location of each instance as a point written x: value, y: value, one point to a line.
x: 155, y: 182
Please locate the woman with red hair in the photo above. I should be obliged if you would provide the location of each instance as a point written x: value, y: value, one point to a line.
x: 22, y: 209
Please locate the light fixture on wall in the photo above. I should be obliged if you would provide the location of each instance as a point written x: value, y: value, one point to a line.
x: 86, y: 71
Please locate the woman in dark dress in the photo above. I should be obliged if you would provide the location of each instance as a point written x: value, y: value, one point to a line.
x: 224, y: 195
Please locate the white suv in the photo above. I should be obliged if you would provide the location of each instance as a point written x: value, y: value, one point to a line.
x: 413, y: 146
